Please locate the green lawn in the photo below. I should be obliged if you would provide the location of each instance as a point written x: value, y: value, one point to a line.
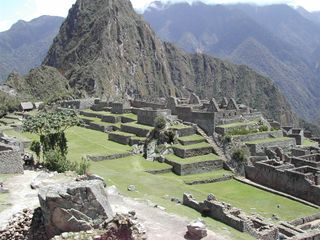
x: 101, y: 123
x: 160, y: 188
x: 124, y: 134
x: 192, y: 146
x: 254, y: 200
x: 309, y: 143
x: 200, y: 176
x: 104, y: 113
x: 268, y: 140
x: 82, y: 141
x: 137, y: 125
x: 237, y: 124
x: 202, y: 158
x: 194, y: 137
x: 180, y: 126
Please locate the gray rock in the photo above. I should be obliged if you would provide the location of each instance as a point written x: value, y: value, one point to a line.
x: 131, y: 188
x: 74, y: 207
x: 211, y: 197
x: 197, y: 229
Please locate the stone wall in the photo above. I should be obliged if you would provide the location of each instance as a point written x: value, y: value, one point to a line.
x: 287, y: 144
x: 79, y: 104
x: 286, y: 178
x: 257, y: 136
x: 145, y: 104
x: 299, y: 162
x: 233, y: 217
x: 186, y: 153
x: 10, y: 162
x: 194, y: 168
x: 140, y: 132
x: 147, y: 116
x: 122, y: 139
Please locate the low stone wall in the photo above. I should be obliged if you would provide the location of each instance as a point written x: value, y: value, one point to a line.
x: 183, y: 132
x: 304, y: 220
x: 144, y: 104
x: 148, y: 116
x: 125, y: 140
x: 91, y: 114
x: 183, y: 142
x: 210, y: 180
x: 233, y: 217
x: 10, y: 162
x: 111, y: 119
x: 287, y: 144
x: 140, y: 132
x: 100, y: 106
x: 108, y: 157
x: 194, y: 168
x: 186, y: 153
x: 299, y: 162
x: 79, y: 104
x: 162, y: 171
x: 258, y: 136
x: 100, y: 128
x: 284, y: 179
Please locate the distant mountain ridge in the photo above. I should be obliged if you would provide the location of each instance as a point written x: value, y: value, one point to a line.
x: 105, y: 49
x: 25, y: 44
x: 277, y: 41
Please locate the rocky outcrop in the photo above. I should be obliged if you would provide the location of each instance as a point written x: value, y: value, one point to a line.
x: 25, y: 225
x: 74, y: 207
x: 105, y: 49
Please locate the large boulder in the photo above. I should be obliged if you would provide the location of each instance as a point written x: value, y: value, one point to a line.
x: 75, y: 206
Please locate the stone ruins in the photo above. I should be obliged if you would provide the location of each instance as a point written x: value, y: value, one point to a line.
x: 199, y: 136
x: 280, y: 159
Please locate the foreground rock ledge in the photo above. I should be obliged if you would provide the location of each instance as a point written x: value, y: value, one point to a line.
x: 74, y: 207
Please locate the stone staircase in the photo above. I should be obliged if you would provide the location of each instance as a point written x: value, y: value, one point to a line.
x: 212, y: 143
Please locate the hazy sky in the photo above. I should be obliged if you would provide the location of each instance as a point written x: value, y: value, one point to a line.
x: 13, y: 10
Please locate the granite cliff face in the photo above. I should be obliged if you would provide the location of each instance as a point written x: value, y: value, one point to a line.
x: 105, y: 49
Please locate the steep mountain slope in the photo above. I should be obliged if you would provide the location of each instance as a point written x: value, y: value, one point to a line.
x: 274, y: 40
x: 105, y: 49
x: 26, y: 43
x: 42, y: 83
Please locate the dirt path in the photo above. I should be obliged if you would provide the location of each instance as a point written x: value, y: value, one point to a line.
x: 21, y: 195
x: 158, y: 223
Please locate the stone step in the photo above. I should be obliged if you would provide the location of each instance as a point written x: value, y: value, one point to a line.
x: 192, y: 139
x: 120, y: 137
x: 184, y: 131
x: 139, y: 130
x: 193, y: 150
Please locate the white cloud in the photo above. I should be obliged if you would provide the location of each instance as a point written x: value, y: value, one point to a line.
x: 34, y: 8
x: 310, y: 5
x: 4, y: 25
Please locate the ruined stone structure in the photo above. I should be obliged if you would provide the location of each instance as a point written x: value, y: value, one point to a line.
x: 10, y: 160
x: 233, y: 217
x: 302, y: 182
x: 79, y: 104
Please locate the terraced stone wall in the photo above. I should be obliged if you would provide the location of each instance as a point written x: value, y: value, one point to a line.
x: 10, y: 162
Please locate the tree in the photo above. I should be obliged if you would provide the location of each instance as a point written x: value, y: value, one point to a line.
x: 51, y: 127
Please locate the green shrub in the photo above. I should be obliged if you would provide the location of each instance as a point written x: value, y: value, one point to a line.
x: 240, y: 155
x: 55, y: 161
x: 160, y: 123
x: 36, y: 148
x: 263, y: 128
x: 83, y: 167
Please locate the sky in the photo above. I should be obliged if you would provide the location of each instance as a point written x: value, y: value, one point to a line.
x: 13, y: 10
